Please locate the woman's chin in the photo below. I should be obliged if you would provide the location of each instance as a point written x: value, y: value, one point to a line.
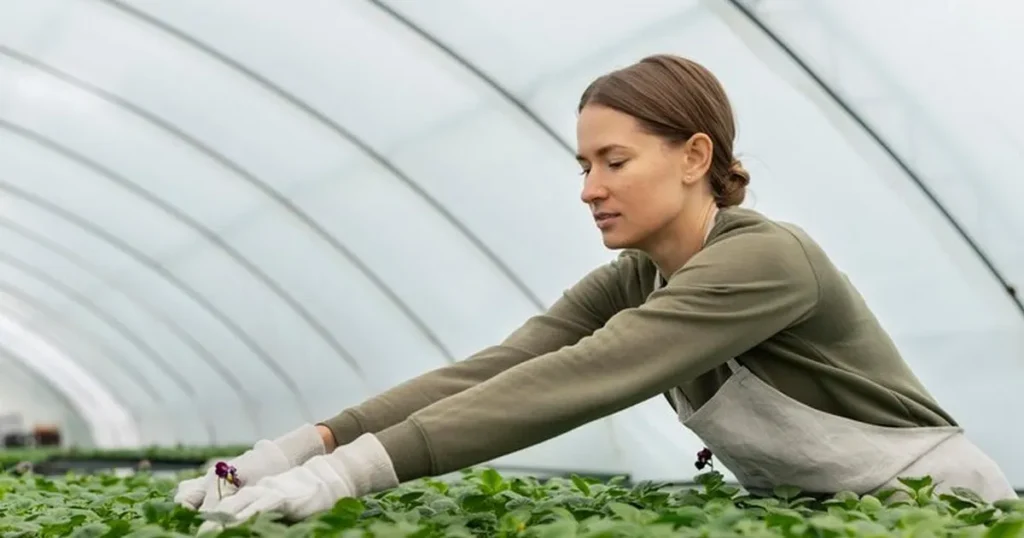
x: 615, y: 241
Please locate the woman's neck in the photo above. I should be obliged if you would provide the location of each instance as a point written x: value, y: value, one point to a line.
x: 672, y: 252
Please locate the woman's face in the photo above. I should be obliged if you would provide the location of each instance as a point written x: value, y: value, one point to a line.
x: 636, y: 185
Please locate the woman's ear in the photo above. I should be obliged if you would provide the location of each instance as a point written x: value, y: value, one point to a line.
x: 697, y: 154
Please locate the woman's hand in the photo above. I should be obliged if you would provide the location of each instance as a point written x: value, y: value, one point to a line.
x: 266, y: 458
x: 359, y: 468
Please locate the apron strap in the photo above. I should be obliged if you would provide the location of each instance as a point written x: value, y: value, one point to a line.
x: 682, y: 404
x: 683, y: 407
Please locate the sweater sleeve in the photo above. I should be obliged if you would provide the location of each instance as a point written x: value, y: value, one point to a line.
x: 577, y: 313
x: 733, y: 295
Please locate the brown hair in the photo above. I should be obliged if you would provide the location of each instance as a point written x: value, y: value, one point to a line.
x: 675, y: 98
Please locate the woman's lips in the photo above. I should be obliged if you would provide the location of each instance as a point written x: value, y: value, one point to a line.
x: 605, y: 219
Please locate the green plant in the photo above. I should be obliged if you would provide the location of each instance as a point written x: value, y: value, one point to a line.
x: 12, y: 457
x: 485, y: 503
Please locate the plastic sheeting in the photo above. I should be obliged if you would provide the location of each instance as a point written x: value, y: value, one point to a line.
x: 239, y: 217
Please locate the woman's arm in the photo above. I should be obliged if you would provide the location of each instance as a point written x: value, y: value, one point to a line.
x: 580, y: 311
x: 732, y: 296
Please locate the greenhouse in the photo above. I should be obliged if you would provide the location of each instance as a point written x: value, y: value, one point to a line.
x: 222, y: 220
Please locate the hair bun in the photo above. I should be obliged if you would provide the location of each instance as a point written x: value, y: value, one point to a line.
x: 735, y: 184
x: 738, y: 174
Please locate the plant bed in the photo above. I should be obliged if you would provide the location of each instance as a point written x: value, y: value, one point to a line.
x: 48, y: 461
x: 185, y: 454
x: 54, y: 466
x: 485, y: 503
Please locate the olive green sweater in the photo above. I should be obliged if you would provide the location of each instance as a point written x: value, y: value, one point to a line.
x: 760, y: 291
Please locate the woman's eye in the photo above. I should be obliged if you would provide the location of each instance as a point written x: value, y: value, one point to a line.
x: 584, y: 172
x: 616, y: 165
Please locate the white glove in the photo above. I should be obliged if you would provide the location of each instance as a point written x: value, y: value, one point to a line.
x: 266, y: 458
x: 359, y: 468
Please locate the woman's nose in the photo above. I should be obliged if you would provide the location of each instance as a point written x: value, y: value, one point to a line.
x: 592, y: 190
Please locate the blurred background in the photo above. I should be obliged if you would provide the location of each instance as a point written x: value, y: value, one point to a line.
x: 219, y: 219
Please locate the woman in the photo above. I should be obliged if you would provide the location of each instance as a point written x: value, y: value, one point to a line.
x: 762, y: 346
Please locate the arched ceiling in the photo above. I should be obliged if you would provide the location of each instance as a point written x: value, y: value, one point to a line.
x: 36, y: 400
x: 881, y: 98
x: 237, y: 217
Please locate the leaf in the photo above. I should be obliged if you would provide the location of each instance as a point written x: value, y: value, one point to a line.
x: 441, y: 487
x: 869, y: 504
x: 349, y: 506
x: 562, y: 528
x: 890, y: 496
x: 410, y: 517
x: 476, y: 503
x: 1010, y: 505
x: 867, y: 529
x: 119, y: 527
x: 581, y: 484
x: 626, y: 512
x: 492, y: 481
x: 786, y: 492
x: 90, y: 530
x: 155, y: 511
x: 977, y: 516
x: 311, y: 528
x: 266, y: 524
x: 849, y: 498
x: 915, y: 484
x: 783, y: 518
x: 765, y: 503
x: 729, y: 491
x: 686, y: 516
x: 1008, y: 528
x: 827, y: 523
x: 969, y: 494
x: 410, y: 497
x: 217, y: 517
x: 956, y: 502
x: 154, y: 531
x: 711, y: 481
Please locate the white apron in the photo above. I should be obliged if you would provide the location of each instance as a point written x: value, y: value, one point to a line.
x: 768, y: 439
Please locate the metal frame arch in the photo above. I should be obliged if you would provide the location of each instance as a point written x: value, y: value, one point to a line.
x: 65, y: 401
x: 344, y: 133
x: 198, y: 227
x: 476, y: 71
x: 53, y: 282
x: 118, y: 359
x: 908, y: 171
x: 59, y: 343
x: 677, y: 21
x: 246, y: 175
x: 13, y: 290
x: 142, y: 259
x: 161, y: 363
x: 79, y: 262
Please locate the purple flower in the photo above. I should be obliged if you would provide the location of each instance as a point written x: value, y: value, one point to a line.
x: 228, y: 473
x: 704, y: 459
x: 222, y: 469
